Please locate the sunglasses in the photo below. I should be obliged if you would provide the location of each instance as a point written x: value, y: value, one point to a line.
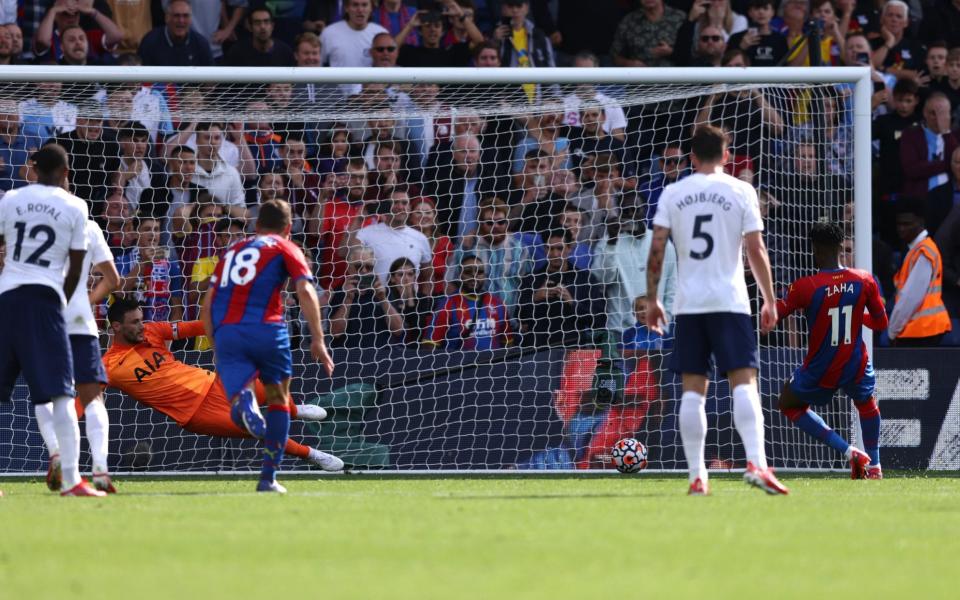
x: 711, y: 38
x: 384, y: 48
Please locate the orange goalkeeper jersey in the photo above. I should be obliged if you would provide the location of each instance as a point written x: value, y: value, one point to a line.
x: 151, y: 375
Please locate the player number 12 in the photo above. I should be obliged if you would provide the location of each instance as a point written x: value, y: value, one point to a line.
x: 835, y: 324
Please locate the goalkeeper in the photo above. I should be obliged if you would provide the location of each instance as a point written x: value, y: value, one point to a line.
x: 140, y: 364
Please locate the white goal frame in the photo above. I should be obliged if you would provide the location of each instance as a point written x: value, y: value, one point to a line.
x: 772, y: 76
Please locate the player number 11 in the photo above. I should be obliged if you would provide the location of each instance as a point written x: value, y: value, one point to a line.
x: 835, y: 324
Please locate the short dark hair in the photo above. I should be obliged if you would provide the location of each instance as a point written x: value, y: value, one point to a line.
x: 226, y: 223
x: 259, y: 8
x: 274, y: 215
x: 140, y: 220
x: 49, y: 160
x: 708, y: 143
x: 400, y: 262
x: 120, y: 307
x: 206, y: 125
x: 910, y: 206
x: 826, y: 234
x: 178, y: 150
x: 559, y: 233
x: 132, y: 129
x: 906, y: 86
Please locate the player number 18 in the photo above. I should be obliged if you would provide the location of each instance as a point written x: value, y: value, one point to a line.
x: 835, y: 324
x: 240, y: 267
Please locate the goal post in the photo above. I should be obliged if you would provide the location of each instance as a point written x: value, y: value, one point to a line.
x: 514, y: 377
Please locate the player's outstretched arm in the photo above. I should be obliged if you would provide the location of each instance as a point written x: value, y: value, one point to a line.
x: 656, y: 317
x: 310, y: 308
x: 72, y: 279
x: 876, y: 316
x: 109, y: 281
x: 760, y: 266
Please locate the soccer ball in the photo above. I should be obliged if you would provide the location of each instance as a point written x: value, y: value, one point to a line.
x: 629, y: 455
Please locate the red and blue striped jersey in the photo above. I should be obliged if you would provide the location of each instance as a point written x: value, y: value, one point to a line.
x: 467, y: 322
x: 833, y: 303
x: 250, y: 277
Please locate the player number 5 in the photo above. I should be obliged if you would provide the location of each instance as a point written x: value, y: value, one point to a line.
x: 240, y: 267
x: 835, y: 324
x: 699, y: 233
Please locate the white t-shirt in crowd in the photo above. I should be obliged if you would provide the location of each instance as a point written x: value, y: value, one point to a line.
x: 614, y: 117
x: 389, y: 244
x: 343, y: 46
x: 40, y: 225
x: 708, y: 216
x: 79, y: 315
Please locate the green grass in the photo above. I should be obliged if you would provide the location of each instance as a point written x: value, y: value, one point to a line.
x: 639, y: 537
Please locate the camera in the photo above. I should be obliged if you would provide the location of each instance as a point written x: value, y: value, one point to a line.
x: 813, y: 26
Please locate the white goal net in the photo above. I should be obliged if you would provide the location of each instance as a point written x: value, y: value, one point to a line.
x: 479, y: 247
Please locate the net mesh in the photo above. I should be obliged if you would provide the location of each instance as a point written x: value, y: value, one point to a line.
x: 504, y: 227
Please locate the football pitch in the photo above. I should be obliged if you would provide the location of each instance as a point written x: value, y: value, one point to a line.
x: 484, y: 537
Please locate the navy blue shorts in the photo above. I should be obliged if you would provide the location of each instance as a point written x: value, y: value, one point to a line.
x: 728, y: 337
x: 87, y: 364
x: 806, y: 387
x: 243, y: 351
x: 33, y: 341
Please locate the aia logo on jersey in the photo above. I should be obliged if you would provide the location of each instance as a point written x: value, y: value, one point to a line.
x: 150, y: 369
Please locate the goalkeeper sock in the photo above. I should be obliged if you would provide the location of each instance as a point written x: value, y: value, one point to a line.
x: 278, y: 430
x: 98, y: 430
x: 814, y: 425
x: 693, y: 432
x: 44, y: 414
x: 870, y: 428
x: 68, y: 434
x: 748, y: 419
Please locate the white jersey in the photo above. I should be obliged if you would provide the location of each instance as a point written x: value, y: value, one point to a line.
x: 40, y: 224
x: 79, y: 315
x: 707, y: 216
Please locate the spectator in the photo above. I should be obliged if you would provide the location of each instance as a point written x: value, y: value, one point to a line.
x: 943, y: 198
x: 261, y: 49
x: 887, y: 131
x: 471, y: 318
x: 742, y: 114
x: 423, y: 218
x: 102, y: 33
x: 558, y: 301
x: 571, y: 220
x: 148, y: 104
x: 151, y: 275
x: 117, y: 223
x: 531, y: 207
x: 893, y: 50
x: 394, y: 238
x: 857, y: 52
x: 935, y: 64
x: 639, y: 339
x: 132, y: 173
x: 134, y: 18
x: 597, y: 201
x: 505, y: 256
x: 384, y: 51
x: 426, y: 128
x: 461, y: 27
x: 90, y: 156
x: 386, y: 175
x: 339, y: 221
x: 669, y: 167
x: 334, y: 149
x: 645, y: 37
x: 260, y: 137
x: 216, y: 176
x: 925, y: 151
x: 542, y: 131
x: 173, y: 193
x: 345, y: 43
x: 764, y: 46
x: 6, y: 46
x: 202, y: 218
x: 306, y: 53
x: 430, y: 52
x: 303, y: 182
x: 217, y: 23
x: 949, y: 85
x: 15, y: 148
x: 395, y: 17
x: 615, y: 121
x: 486, y: 55
x: 709, y: 48
x: 361, y: 314
x: 522, y: 44
x: 225, y: 232
x: 941, y: 21
x: 406, y: 299
x: 620, y: 264
x: 456, y: 181
x: 919, y: 318
x: 16, y: 43
x: 176, y: 43
x: 46, y: 114
x: 233, y: 149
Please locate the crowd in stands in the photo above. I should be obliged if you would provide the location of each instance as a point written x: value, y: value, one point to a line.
x: 467, y: 231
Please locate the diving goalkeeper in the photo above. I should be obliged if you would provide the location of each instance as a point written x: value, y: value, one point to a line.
x: 140, y: 364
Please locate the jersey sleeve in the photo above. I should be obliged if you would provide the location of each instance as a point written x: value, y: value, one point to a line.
x: 876, y: 317
x: 99, y: 249
x: 186, y: 329
x: 296, y: 263
x: 662, y: 216
x: 78, y: 235
x: 798, y: 296
x: 752, y: 220
x: 157, y: 332
x: 438, y: 328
